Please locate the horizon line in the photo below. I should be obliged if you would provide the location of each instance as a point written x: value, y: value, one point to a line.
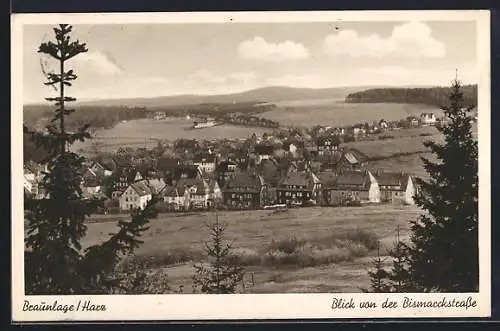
x: 363, y: 87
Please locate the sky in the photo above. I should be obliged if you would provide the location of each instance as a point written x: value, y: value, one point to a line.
x: 148, y: 60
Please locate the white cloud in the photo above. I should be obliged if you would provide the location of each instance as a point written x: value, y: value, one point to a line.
x: 260, y: 49
x: 412, y: 39
x: 97, y: 62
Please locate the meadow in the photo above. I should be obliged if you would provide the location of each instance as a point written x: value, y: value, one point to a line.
x: 144, y: 132
x: 316, y: 249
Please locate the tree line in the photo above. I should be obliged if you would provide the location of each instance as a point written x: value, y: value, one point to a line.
x: 434, y: 96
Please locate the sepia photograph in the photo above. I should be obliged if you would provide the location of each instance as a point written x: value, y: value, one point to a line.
x: 171, y: 155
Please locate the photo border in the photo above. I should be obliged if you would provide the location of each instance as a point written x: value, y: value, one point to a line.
x: 484, y: 166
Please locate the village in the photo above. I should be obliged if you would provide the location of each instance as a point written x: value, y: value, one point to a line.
x: 290, y: 168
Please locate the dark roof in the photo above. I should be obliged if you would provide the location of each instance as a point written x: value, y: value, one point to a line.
x: 190, y: 182
x: 206, y: 157
x: 243, y: 180
x: 223, y: 166
x: 187, y: 171
x: 91, y: 182
x: 327, y: 178
x: 173, y: 191
x: 392, y: 179
x: 264, y: 149
x: 353, y: 178
x: 296, y: 179
x: 141, y: 188
x: 270, y: 171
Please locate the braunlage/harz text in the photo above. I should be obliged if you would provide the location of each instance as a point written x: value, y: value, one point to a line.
x: 85, y: 305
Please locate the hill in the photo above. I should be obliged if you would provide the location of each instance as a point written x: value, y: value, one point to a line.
x: 265, y: 94
x: 432, y: 96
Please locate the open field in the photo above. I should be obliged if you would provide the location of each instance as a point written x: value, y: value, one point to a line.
x: 403, y: 152
x: 253, y: 231
x: 140, y: 133
x: 335, y: 112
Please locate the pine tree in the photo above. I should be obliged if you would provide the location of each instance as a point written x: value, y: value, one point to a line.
x: 444, y: 241
x: 399, y: 276
x: 223, y: 274
x: 55, y: 262
x: 378, y: 275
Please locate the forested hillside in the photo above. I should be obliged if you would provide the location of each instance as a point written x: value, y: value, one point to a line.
x: 434, y: 96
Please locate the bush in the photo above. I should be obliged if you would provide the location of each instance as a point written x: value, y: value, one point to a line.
x: 168, y: 257
x: 385, y: 137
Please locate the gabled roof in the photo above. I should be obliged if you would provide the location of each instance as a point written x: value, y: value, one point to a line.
x: 141, y: 188
x: 392, y: 179
x: 295, y: 179
x: 353, y: 178
x: 353, y: 156
x: 200, y: 184
x: 243, y: 180
x: 174, y: 191
x: 157, y: 184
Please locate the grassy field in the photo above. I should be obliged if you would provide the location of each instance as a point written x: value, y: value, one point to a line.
x: 141, y: 133
x: 334, y: 112
x: 336, y: 245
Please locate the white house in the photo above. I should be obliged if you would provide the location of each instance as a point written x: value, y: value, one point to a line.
x: 206, y: 163
x: 136, y: 195
x: 428, y: 118
x: 396, y: 187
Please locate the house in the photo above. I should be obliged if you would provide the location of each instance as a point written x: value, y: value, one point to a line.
x: 157, y: 185
x: 244, y: 191
x: 196, y: 193
x: 183, y: 171
x: 263, y: 151
x: 205, y: 162
x: 294, y: 189
x: 428, y: 119
x: 159, y: 115
x: 383, y: 125
x: 352, y: 159
x: 326, y: 179
x: 271, y: 173
x: 396, y: 187
x: 412, y: 121
x: 100, y: 170
x: 175, y: 197
x: 91, y: 187
x: 358, y: 130
x: 225, y: 170
x: 215, y: 193
x: 327, y: 143
x: 126, y: 177
x: 351, y: 186
x: 136, y: 195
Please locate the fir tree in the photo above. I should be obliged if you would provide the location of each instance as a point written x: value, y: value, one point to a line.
x: 223, y: 274
x: 444, y: 241
x: 399, y: 276
x: 378, y: 275
x: 55, y: 262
